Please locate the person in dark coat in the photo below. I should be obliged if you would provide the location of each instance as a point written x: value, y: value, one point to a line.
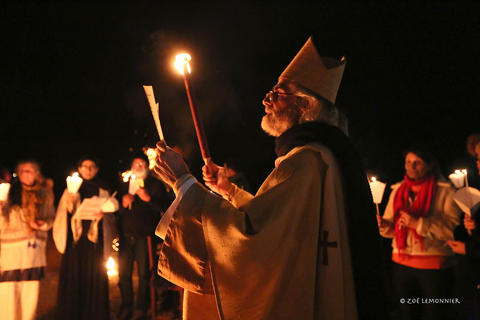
x: 139, y: 214
x: 83, y: 281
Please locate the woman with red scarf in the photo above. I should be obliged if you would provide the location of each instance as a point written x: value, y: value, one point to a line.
x: 420, y: 217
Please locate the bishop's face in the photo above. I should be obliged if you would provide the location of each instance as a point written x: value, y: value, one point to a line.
x: 281, y: 110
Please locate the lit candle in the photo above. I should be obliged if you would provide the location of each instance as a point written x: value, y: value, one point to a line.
x: 73, y: 183
x: 184, y: 68
x: 4, y: 188
x: 377, y: 189
x: 151, y: 154
x: 457, y: 178
x: 132, y: 187
x: 469, y: 198
x: 154, y: 108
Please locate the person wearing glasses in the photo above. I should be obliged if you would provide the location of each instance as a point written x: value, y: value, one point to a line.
x: 25, y: 218
x: 83, y: 279
x: 306, y: 246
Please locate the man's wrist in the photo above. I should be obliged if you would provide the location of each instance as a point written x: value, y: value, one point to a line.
x: 181, y: 181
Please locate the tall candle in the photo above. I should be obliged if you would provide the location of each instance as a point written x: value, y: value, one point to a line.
x: 73, y: 183
x: 4, y: 188
x: 469, y: 198
x: 132, y: 187
x: 184, y: 68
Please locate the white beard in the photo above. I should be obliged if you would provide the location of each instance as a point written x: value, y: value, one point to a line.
x: 140, y: 173
x: 277, y: 123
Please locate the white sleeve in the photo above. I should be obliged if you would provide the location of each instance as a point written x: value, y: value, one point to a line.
x: 162, y: 227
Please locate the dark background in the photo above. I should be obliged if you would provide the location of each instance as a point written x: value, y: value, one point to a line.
x: 71, y: 77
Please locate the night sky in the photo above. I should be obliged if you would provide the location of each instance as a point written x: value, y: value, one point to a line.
x: 72, y: 73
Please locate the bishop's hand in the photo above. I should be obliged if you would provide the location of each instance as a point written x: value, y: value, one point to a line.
x: 169, y: 165
x: 216, y: 179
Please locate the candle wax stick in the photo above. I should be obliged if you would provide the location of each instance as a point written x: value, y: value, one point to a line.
x: 468, y: 192
x: 197, y: 120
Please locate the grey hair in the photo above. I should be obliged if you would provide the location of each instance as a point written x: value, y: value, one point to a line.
x: 320, y: 110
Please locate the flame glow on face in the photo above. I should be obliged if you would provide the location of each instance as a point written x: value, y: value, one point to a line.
x: 181, y: 61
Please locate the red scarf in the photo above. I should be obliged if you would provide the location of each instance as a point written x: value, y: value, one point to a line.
x: 419, y: 207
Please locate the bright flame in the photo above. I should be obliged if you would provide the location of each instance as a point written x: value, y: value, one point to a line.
x: 457, y: 171
x: 75, y: 175
x: 111, y: 267
x: 464, y: 171
x: 126, y: 175
x: 151, y: 154
x: 374, y: 179
x: 182, y: 60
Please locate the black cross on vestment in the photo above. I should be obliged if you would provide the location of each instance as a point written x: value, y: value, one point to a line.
x: 326, y: 244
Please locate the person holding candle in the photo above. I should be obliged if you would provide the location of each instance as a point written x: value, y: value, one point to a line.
x: 420, y: 217
x: 295, y: 250
x: 467, y: 271
x: 468, y: 160
x: 138, y: 217
x: 83, y: 280
x: 25, y: 218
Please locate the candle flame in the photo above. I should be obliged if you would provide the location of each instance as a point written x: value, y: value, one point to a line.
x: 126, y: 175
x: 151, y: 154
x: 374, y: 179
x: 75, y: 175
x: 182, y: 60
x: 464, y: 171
x: 111, y: 268
x: 457, y: 171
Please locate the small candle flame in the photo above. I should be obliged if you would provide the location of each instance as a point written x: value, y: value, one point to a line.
x: 151, y: 154
x: 464, y: 171
x: 75, y: 175
x: 182, y: 60
x: 126, y: 175
x: 374, y: 179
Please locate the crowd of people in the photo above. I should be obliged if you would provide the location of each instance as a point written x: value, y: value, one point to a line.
x: 84, y: 242
x: 305, y: 246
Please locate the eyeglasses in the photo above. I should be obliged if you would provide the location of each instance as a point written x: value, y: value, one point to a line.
x: 26, y: 172
x: 89, y: 167
x: 273, y: 95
